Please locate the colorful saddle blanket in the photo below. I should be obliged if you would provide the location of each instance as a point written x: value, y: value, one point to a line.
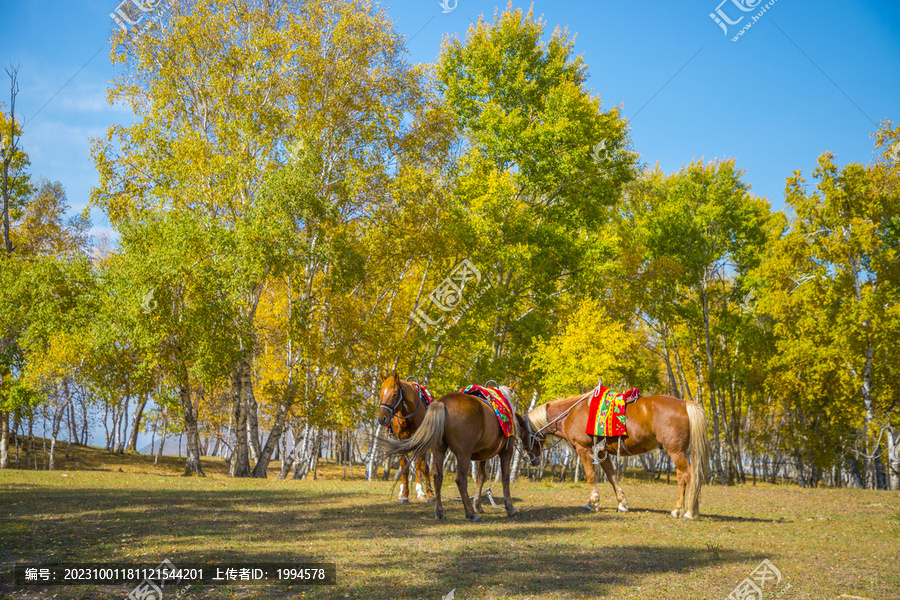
x: 498, y: 402
x: 606, y: 415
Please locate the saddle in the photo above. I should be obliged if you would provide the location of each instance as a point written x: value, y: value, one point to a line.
x: 495, y: 399
x: 606, y: 416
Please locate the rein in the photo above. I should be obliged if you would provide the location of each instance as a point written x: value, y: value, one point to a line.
x: 566, y: 412
x: 541, y: 437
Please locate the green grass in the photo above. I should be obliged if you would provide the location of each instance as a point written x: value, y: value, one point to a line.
x: 826, y: 543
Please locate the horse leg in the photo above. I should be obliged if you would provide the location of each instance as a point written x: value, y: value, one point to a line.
x: 463, y: 464
x: 404, y: 481
x: 479, y: 484
x: 590, y: 475
x: 505, y: 459
x: 613, y: 480
x: 437, y: 457
x: 424, y: 478
x: 684, y: 478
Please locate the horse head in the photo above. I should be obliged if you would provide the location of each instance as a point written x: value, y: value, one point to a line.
x: 391, y: 398
x: 532, y: 440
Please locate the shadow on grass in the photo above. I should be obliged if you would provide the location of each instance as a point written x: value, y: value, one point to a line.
x: 553, y: 569
x: 707, y: 516
x: 544, y: 550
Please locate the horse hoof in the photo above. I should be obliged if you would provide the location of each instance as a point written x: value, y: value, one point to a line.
x: 439, y: 516
x: 588, y: 507
x: 479, y: 509
x: 688, y: 516
x: 403, y: 500
x: 622, y: 508
x: 512, y: 513
x: 421, y: 497
x: 676, y: 513
x: 474, y: 518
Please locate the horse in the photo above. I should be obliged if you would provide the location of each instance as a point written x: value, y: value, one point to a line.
x: 651, y: 422
x: 403, y: 408
x: 470, y: 429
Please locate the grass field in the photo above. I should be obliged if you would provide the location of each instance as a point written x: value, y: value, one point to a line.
x: 826, y: 543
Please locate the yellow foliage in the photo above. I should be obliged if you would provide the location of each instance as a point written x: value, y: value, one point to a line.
x: 592, y: 346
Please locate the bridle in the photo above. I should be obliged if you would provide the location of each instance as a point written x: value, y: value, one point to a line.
x: 531, y: 436
x: 397, y: 404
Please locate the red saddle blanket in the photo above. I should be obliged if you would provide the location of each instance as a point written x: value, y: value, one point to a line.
x: 606, y: 415
x: 498, y: 402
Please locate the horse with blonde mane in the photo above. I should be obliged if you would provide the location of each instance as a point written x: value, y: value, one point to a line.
x: 677, y: 426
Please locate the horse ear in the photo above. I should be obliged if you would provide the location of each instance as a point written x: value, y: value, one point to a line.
x: 397, y: 377
x: 382, y: 375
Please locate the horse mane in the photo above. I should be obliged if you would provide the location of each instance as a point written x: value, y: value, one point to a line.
x: 538, y: 417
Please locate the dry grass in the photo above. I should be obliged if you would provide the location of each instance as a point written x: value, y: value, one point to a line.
x: 826, y: 543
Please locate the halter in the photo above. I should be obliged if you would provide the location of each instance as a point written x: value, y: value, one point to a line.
x: 397, y: 404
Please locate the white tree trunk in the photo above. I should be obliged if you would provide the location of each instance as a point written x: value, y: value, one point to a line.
x: 893, y: 443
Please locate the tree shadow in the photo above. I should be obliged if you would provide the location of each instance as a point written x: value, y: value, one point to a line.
x: 529, y: 554
x: 706, y: 516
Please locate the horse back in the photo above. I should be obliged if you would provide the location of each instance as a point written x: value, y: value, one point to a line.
x: 470, y: 422
x: 648, y: 420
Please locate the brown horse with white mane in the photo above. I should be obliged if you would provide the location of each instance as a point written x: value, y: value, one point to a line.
x: 469, y: 428
x: 651, y: 422
x: 403, y: 406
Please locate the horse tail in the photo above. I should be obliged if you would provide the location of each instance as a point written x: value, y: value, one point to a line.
x: 427, y: 435
x: 699, y: 456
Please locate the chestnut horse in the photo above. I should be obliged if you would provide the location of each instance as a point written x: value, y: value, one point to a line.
x: 651, y: 422
x: 403, y: 407
x: 469, y: 428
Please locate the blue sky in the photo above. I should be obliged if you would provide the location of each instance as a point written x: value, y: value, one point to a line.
x: 805, y: 78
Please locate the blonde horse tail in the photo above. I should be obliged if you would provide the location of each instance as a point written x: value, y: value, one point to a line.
x: 699, y: 457
x: 427, y: 435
